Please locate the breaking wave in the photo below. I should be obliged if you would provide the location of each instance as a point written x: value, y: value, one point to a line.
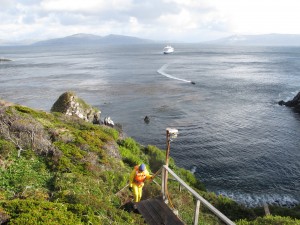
x: 253, y: 200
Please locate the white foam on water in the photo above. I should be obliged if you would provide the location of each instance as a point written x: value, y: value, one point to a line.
x: 161, y: 71
x: 193, y: 169
x: 254, y: 200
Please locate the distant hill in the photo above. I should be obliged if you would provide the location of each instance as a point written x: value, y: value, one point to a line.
x: 79, y: 39
x: 113, y: 39
x: 260, y: 40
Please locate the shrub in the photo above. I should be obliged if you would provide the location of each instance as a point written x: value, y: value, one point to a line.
x: 293, y: 212
x: 24, y: 175
x: 131, y: 144
x: 270, y: 220
x: 157, y: 157
x: 114, y: 180
x: 32, y: 212
x: 111, y: 132
x: 190, y: 178
x: 131, y: 152
x: 228, y: 207
x: 129, y: 158
x: 6, y: 148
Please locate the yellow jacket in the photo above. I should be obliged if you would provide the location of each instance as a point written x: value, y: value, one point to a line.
x: 138, y: 178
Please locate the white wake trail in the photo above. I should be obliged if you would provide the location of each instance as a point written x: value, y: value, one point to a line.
x: 161, y: 71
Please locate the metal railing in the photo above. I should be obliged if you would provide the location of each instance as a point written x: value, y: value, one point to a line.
x: 165, y: 171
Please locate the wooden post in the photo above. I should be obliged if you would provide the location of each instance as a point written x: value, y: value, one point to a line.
x: 267, y: 210
x: 167, y: 164
x: 163, y: 172
x: 197, y: 209
x: 168, y: 147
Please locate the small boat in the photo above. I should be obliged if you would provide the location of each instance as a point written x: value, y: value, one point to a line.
x: 168, y: 49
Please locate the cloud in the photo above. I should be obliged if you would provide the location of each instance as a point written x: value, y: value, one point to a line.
x: 6, y: 4
x: 260, y: 17
x: 154, y: 19
x: 147, y: 18
x: 87, y: 6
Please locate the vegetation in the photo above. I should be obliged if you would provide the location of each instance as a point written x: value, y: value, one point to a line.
x: 56, y: 169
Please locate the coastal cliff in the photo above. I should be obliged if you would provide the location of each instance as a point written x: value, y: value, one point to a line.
x: 60, y: 168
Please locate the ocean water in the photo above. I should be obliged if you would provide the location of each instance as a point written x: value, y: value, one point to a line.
x: 232, y: 133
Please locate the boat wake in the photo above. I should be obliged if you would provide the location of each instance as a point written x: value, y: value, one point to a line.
x: 161, y: 71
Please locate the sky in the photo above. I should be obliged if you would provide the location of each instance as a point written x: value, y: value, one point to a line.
x: 172, y: 20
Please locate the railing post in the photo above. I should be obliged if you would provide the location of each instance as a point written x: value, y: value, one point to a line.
x: 167, y: 162
x: 197, y: 209
x: 165, y: 187
x: 163, y: 183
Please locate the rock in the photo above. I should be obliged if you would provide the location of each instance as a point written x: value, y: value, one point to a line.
x: 147, y: 119
x: 68, y: 103
x: 108, y: 122
x: 5, y: 103
x: 294, y: 103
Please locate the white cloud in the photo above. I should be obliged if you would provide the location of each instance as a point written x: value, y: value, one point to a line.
x: 179, y: 22
x: 6, y: 4
x: 134, y: 25
x: 85, y: 6
x: 155, y: 19
x: 264, y: 16
x: 70, y: 5
x: 200, y: 4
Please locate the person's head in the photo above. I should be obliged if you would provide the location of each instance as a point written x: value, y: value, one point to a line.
x: 142, y: 167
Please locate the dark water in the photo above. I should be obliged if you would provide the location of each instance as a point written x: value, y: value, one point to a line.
x: 232, y: 132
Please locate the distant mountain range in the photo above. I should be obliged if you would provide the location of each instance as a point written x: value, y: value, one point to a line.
x: 260, y: 40
x: 80, y: 39
x: 90, y: 39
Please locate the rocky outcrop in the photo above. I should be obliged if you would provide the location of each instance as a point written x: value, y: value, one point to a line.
x: 108, y: 122
x: 68, y: 103
x: 294, y: 103
x: 4, y: 60
x: 147, y: 119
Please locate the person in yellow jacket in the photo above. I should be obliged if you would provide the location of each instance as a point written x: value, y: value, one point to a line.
x: 136, y: 181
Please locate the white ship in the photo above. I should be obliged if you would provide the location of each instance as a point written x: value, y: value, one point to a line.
x: 168, y: 49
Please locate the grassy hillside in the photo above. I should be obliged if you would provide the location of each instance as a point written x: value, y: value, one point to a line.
x: 57, y: 169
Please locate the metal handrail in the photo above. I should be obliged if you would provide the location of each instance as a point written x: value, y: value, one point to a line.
x: 200, y: 199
